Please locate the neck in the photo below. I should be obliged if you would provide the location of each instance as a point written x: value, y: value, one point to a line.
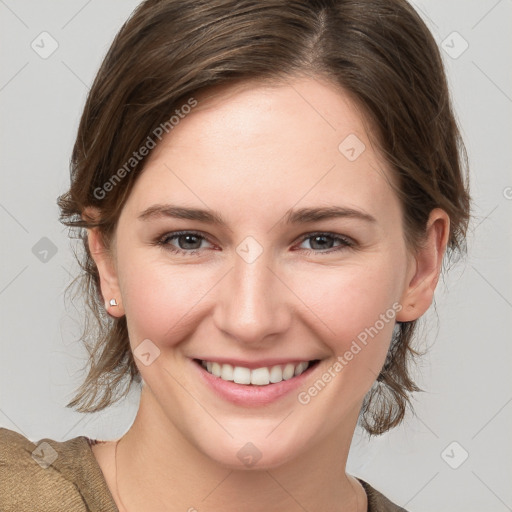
x: 159, y: 469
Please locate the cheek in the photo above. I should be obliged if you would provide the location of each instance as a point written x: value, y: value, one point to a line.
x: 351, y: 298
x: 160, y: 299
x: 356, y: 309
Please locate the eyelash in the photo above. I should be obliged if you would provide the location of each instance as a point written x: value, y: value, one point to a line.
x: 346, y: 243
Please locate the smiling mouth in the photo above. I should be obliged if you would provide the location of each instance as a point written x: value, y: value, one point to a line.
x: 263, y: 376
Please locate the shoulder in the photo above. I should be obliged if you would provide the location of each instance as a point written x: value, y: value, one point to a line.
x: 377, y: 502
x: 49, y: 475
x: 28, y: 477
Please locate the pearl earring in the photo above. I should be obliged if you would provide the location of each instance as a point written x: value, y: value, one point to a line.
x: 113, y: 302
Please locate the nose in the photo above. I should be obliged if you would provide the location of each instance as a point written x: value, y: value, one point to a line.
x: 253, y: 303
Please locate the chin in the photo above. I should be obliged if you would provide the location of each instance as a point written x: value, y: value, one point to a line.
x: 262, y: 453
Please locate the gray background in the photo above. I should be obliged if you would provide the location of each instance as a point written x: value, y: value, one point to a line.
x: 467, y: 372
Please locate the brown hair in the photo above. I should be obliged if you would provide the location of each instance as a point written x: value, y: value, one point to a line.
x: 378, y: 51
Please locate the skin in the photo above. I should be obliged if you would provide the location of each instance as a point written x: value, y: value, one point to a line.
x: 252, y: 152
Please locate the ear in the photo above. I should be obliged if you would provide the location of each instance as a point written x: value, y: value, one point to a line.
x: 104, y: 259
x: 426, y: 268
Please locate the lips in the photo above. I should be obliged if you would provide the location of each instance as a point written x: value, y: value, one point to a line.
x: 261, y: 376
x: 254, y: 387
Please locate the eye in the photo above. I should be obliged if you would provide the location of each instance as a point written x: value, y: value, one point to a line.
x: 326, y: 242
x: 191, y: 242
x: 182, y: 242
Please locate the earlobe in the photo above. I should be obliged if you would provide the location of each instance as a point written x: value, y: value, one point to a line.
x: 109, y: 283
x: 111, y: 303
x: 428, y: 260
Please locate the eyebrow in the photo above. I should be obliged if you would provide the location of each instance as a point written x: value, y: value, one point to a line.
x: 302, y: 215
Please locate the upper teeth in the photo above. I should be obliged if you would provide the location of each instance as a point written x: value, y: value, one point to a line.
x: 258, y: 376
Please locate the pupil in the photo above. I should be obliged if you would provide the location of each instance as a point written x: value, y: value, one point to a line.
x: 323, y: 243
x: 189, y: 240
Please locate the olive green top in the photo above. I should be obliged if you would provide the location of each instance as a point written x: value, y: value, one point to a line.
x: 53, y: 476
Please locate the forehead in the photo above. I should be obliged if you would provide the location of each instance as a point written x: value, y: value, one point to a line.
x: 274, y: 114
x: 268, y: 146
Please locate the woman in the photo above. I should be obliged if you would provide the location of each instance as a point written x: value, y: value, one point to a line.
x: 265, y: 192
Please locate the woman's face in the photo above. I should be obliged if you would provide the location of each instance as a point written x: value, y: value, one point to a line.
x: 291, y: 251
